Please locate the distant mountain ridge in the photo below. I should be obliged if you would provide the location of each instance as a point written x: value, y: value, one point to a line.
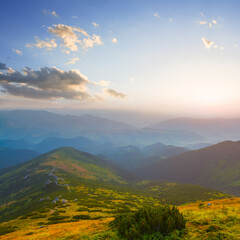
x: 11, y: 157
x: 217, y: 167
x: 217, y: 129
x: 36, y: 125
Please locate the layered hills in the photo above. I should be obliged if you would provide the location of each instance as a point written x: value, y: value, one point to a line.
x: 217, y: 167
x: 67, y: 177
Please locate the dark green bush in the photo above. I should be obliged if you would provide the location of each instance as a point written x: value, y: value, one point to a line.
x: 38, y: 216
x: 83, y: 217
x: 150, y: 223
x: 4, y: 230
x: 56, y: 218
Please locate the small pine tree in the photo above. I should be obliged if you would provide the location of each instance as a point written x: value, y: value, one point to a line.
x: 150, y: 223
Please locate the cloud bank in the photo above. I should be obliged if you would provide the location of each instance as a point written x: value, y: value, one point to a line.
x: 46, y: 83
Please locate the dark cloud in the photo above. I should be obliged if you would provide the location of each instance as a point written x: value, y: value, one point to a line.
x: 46, y: 83
x: 3, y: 66
x: 28, y: 92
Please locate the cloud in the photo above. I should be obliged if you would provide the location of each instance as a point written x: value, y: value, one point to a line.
x: 90, y: 42
x: 214, y: 21
x: 156, y: 15
x: 72, y: 61
x: 234, y: 45
x: 202, y: 22
x: 3, y: 66
x: 17, y: 51
x: 209, y: 23
x: 95, y: 24
x: 170, y: 19
x: 102, y: 83
x: 74, y: 17
x: 48, y: 44
x: 66, y: 51
x: 46, y: 83
x: 131, y: 79
x: 207, y: 43
x: 114, y: 40
x: 71, y: 37
x: 114, y: 93
x: 51, y: 13
x: 54, y: 14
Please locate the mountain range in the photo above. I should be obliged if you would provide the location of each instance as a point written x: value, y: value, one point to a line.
x: 217, y: 167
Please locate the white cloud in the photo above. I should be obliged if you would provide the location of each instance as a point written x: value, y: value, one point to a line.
x: 17, y: 51
x: 209, y: 23
x: 221, y: 48
x: 114, y: 93
x: 72, y: 36
x: 235, y: 45
x: 131, y: 79
x: 51, y: 13
x: 72, y: 61
x: 95, y: 24
x: 170, y: 19
x: 66, y: 51
x: 102, y: 83
x: 10, y: 70
x: 54, y: 14
x: 74, y: 17
x: 91, y: 41
x: 202, y: 22
x: 114, y: 40
x: 48, y: 44
x: 156, y: 15
x: 207, y: 43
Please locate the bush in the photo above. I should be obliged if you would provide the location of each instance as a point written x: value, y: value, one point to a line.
x: 56, y: 218
x: 83, y: 217
x: 150, y: 223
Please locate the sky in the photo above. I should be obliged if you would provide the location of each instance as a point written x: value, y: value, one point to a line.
x: 171, y: 57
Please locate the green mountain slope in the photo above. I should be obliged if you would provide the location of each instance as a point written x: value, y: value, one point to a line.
x: 66, y: 177
x: 217, y: 167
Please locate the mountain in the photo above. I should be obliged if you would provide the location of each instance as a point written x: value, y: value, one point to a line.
x: 52, y: 174
x: 197, y: 146
x: 217, y: 167
x: 15, y: 144
x: 159, y: 149
x: 71, y: 181
x: 10, y: 157
x: 80, y: 143
x: 131, y: 157
x: 35, y: 124
x: 215, y: 130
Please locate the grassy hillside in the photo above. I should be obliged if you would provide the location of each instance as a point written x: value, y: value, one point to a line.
x: 66, y: 178
x: 220, y: 221
x: 217, y: 167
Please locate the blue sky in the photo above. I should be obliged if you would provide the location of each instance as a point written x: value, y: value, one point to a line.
x: 165, y: 56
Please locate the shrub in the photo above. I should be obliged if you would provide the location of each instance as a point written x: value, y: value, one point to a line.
x: 149, y: 223
x: 56, y: 218
x: 83, y: 217
x: 38, y: 216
